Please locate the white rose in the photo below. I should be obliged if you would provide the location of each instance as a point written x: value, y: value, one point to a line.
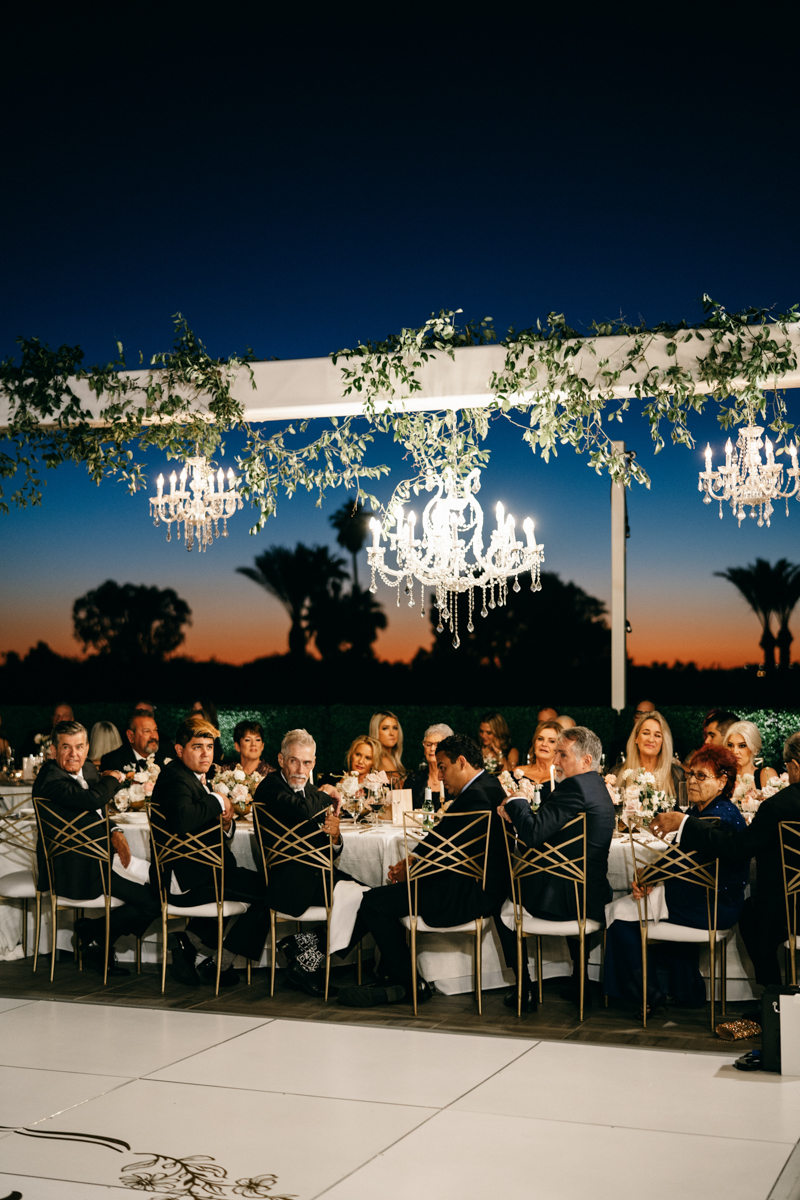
x: 136, y: 792
x: 222, y: 789
x: 239, y: 775
x: 240, y: 793
x: 141, y: 777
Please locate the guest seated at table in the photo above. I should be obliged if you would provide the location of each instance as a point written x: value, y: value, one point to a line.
x: 386, y: 729
x: 566, y: 722
x: 762, y: 921
x: 102, y: 740
x: 427, y: 774
x: 71, y: 786
x: 495, y: 740
x: 288, y: 797
x: 710, y: 779
x: 744, y: 742
x: 650, y: 749
x: 579, y: 789
x: 546, y: 714
x: 362, y: 756
x: 208, y: 710
x: 187, y: 805
x: 540, y: 766
x: 141, y: 742
x: 445, y: 899
x: 144, y: 707
x: 35, y: 742
x: 248, y: 742
x: 716, y: 724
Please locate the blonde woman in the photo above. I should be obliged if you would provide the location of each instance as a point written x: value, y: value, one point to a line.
x: 386, y: 729
x: 650, y: 749
x: 494, y: 739
x: 363, y: 756
x: 744, y: 742
x: 542, y: 754
x: 104, y: 738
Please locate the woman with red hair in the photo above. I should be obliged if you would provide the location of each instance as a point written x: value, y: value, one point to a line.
x: 674, y: 972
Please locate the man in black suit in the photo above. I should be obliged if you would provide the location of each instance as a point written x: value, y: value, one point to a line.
x: 580, y: 789
x: 445, y: 899
x: 762, y: 922
x: 139, y: 743
x: 72, y: 787
x: 187, y: 804
x: 287, y: 799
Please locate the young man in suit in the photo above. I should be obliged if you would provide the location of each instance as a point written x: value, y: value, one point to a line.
x: 580, y: 789
x: 73, y: 788
x: 445, y: 899
x: 762, y: 922
x: 140, y: 741
x: 287, y: 800
x: 188, y: 804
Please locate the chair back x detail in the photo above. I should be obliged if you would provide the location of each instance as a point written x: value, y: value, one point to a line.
x: 567, y: 861
x: 789, y: 833
x: 18, y: 832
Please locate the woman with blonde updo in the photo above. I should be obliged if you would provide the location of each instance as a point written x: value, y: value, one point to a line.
x: 743, y: 739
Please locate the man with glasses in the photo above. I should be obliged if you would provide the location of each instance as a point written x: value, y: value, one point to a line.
x: 762, y: 922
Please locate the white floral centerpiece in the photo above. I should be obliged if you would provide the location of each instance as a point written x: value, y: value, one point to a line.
x: 142, y: 781
x: 518, y: 784
x: 491, y: 764
x: 45, y: 743
x: 746, y: 796
x: 238, y: 786
x: 641, y: 799
x: 349, y: 786
x: 773, y: 786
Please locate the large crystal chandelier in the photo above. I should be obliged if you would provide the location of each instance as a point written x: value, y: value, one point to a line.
x: 199, y: 510
x: 449, y: 556
x: 746, y: 479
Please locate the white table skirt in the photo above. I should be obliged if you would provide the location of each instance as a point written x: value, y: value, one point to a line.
x: 443, y: 959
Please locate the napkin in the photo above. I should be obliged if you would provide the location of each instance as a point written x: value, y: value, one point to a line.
x: 137, y: 870
x: 626, y: 909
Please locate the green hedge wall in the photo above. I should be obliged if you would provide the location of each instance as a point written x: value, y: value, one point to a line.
x: 334, y: 726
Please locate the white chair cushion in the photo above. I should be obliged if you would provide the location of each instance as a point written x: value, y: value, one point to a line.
x: 230, y: 908
x: 97, y: 902
x: 468, y: 927
x: 18, y: 885
x: 319, y: 913
x: 540, y: 928
x: 665, y: 932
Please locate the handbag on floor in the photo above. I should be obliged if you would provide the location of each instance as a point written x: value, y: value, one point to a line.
x: 771, y: 1025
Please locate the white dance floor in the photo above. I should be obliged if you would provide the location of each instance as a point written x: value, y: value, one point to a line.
x: 98, y: 1100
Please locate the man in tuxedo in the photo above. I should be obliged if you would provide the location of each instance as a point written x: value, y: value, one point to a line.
x: 187, y: 804
x: 580, y: 789
x: 74, y: 789
x: 445, y: 899
x: 140, y: 741
x: 286, y: 800
x: 762, y: 922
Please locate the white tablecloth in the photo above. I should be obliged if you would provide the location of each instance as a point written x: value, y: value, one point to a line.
x: 443, y: 959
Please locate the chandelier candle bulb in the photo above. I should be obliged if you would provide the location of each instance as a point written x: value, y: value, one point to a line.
x: 376, y: 532
x: 173, y: 479
x: 160, y: 483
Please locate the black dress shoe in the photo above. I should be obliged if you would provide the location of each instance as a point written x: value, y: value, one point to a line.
x: 369, y: 995
x: 530, y: 1002
x: 92, y: 957
x: 301, y: 980
x: 207, y: 972
x: 182, y: 967
x: 88, y: 931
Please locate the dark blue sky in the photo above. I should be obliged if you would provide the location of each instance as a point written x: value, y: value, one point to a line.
x: 296, y: 182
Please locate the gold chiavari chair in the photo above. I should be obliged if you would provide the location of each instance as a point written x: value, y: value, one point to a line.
x: 676, y: 864
x: 18, y: 832
x: 206, y: 847
x: 789, y: 833
x: 288, y: 845
x: 566, y: 861
x: 61, y: 835
x: 464, y: 852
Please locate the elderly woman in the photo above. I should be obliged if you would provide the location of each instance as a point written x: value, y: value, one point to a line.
x: 650, y: 749
x: 427, y: 773
x: 386, y: 729
x: 744, y: 742
x: 542, y: 755
x: 104, y: 738
x: 710, y: 779
x: 494, y: 739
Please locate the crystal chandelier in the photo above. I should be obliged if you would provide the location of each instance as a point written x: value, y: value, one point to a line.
x: 442, y: 559
x: 199, y: 510
x: 746, y: 479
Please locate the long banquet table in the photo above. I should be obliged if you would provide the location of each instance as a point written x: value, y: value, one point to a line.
x: 443, y: 959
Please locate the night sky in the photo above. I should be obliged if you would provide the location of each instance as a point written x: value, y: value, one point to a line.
x: 296, y: 183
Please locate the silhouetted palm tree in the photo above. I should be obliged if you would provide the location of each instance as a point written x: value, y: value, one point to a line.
x: 768, y: 590
x: 345, y: 622
x: 351, y: 524
x: 294, y: 577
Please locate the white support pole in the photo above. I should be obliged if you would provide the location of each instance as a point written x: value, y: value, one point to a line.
x: 619, y: 616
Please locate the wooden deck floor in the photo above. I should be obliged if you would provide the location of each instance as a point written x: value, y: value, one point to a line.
x: 556, y: 1020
